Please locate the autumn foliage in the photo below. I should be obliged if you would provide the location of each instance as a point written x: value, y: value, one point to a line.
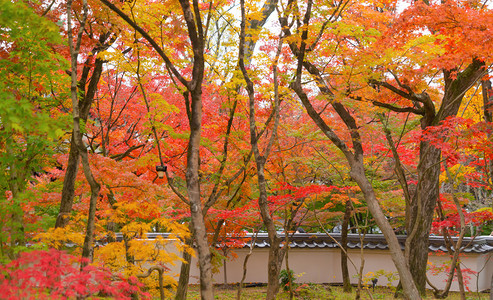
x: 54, y: 274
x: 402, y: 88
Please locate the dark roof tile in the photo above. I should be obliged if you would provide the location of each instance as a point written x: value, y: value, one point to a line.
x: 480, y: 244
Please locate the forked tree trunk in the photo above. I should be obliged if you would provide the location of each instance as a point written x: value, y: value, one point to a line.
x: 275, y: 258
x: 421, y: 210
x: 422, y: 206
x: 85, y: 99
x: 193, y: 100
x: 95, y: 187
x: 275, y: 253
x: 358, y: 174
x: 249, y: 46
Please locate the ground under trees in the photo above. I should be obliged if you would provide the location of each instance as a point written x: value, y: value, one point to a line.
x: 210, y: 119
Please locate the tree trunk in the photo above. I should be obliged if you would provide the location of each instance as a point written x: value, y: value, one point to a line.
x: 275, y: 253
x: 460, y: 280
x: 355, y: 159
x: 181, y: 291
x: 288, y: 270
x: 424, y: 201
x: 161, y: 271
x: 95, y: 187
x: 360, y: 273
x: 346, y: 280
x: 68, y: 190
x: 85, y: 100
x: 488, y: 118
x: 266, y: 11
x: 245, y: 263
x: 358, y: 174
x: 89, y: 238
x: 16, y: 186
x: 197, y: 37
x: 421, y: 210
x: 225, y: 270
x: 487, y: 100
x: 274, y: 268
x: 275, y: 259
x: 193, y: 189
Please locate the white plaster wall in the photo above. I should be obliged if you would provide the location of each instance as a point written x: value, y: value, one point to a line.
x: 485, y: 269
x: 322, y: 265
x: 480, y: 264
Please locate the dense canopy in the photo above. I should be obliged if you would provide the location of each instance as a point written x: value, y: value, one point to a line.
x: 211, y: 119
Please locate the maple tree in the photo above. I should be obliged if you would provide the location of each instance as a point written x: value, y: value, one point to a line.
x: 464, y: 164
x: 207, y: 87
x: 193, y: 99
x: 31, y: 209
x: 461, y: 67
x: 353, y: 153
x: 363, y: 68
x: 194, y: 110
x: 32, y: 84
x: 87, y: 87
x: 55, y: 274
x: 275, y: 254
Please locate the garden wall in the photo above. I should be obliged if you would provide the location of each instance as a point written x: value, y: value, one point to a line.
x: 322, y: 265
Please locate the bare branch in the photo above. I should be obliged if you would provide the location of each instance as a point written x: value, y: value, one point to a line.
x: 175, y: 190
x: 399, y: 109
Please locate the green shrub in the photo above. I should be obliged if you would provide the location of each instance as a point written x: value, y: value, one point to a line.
x: 286, y: 278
